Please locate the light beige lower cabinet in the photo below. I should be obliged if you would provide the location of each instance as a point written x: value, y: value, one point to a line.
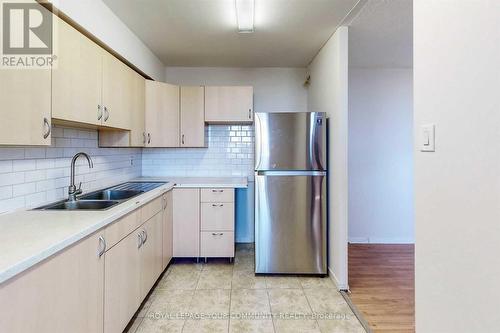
x: 186, y: 228
x: 62, y: 294
x: 95, y: 285
x: 167, y: 228
x: 203, y: 222
x: 217, y: 222
x: 151, y: 253
x: 122, y: 293
x: 133, y: 264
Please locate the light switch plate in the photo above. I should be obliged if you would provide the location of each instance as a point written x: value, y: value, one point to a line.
x: 428, y: 137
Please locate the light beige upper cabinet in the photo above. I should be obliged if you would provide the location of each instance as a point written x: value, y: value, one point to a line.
x: 230, y: 104
x: 138, y: 121
x: 62, y: 294
x: 136, y: 136
x: 162, y: 114
x: 76, y: 78
x: 192, y: 116
x: 122, y: 293
x: 25, y: 107
x: 186, y: 229
x: 167, y: 228
x: 117, y: 91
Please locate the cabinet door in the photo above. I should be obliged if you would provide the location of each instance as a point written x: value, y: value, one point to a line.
x: 76, y: 78
x: 122, y: 283
x: 192, y: 116
x: 167, y: 228
x: 151, y: 253
x: 62, y: 294
x: 25, y: 106
x: 138, y: 123
x: 117, y: 89
x: 186, y: 229
x: 229, y: 104
x: 162, y: 114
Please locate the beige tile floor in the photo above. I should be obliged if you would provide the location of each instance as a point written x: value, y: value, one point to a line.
x: 227, y: 297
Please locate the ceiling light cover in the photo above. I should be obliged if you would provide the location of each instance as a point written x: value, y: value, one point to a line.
x: 245, y: 13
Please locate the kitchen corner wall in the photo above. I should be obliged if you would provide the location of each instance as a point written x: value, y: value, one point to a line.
x: 31, y: 176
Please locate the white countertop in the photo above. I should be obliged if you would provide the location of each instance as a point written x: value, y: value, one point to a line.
x: 231, y: 182
x: 28, y: 237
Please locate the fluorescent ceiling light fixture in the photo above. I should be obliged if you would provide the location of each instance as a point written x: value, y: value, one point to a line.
x: 245, y: 13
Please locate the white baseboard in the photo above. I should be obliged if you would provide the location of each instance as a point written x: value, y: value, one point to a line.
x: 380, y: 240
x: 340, y: 286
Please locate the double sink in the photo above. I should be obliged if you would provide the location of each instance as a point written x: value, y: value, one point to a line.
x: 106, y: 198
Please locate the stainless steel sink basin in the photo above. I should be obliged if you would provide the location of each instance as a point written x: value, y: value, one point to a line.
x: 111, y: 195
x: 81, y: 205
x: 104, y: 199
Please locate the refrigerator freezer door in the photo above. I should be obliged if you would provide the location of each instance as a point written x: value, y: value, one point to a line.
x: 290, y: 217
x: 290, y: 141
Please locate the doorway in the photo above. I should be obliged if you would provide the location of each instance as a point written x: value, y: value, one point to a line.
x: 381, y: 213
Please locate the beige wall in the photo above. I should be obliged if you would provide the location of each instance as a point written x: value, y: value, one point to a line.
x: 457, y: 188
x: 276, y: 89
x: 328, y: 93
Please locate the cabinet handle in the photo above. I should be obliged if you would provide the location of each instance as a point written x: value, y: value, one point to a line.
x: 144, y: 137
x: 139, y: 240
x: 106, y: 112
x: 99, y: 112
x: 217, y: 233
x: 149, y: 138
x: 145, y: 236
x: 249, y: 113
x: 102, y: 246
x: 220, y: 205
x: 182, y: 138
x: 46, y: 124
x: 165, y: 203
x: 217, y: 191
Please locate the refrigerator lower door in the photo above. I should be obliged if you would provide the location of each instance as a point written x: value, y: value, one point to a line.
x: 290, y: 223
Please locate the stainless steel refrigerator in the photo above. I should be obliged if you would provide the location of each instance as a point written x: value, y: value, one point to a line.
x: 290, y: 193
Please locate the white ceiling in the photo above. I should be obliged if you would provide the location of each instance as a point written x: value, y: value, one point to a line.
x: 382, y: 35
x: 288, y: 33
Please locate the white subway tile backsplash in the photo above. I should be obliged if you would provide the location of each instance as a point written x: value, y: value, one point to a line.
x: 230, y: 152
x: 31, y: 176
x: 23, y: 165
x: 23, y: 189
x: 11, y: 178
x: 5, y: 192
x: 5, y: 166
x: 12, y: 153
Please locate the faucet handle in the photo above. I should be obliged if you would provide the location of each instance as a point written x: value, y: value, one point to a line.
x: 79, y: 191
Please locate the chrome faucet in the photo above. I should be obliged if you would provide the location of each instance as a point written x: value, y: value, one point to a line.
x: 72, y: 190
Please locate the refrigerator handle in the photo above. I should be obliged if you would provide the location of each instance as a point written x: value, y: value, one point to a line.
x: 258, y: 141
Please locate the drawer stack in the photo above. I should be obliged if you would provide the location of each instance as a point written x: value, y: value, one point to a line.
x: 217, y: 222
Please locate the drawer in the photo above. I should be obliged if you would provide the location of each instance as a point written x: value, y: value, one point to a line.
x: 217, y: 195
x: 121, y: 228
x: 217, y: 216
x: 217, y: 244
x: 151, y: 209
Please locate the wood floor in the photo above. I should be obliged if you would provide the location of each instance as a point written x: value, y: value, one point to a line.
x: 382, y: 284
